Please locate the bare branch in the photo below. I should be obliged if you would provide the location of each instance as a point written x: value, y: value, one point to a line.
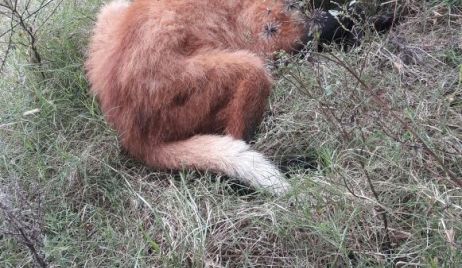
x: 24, y: 17
x: 25, y: 228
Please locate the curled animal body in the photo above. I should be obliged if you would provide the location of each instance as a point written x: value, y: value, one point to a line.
x: 183, y: 82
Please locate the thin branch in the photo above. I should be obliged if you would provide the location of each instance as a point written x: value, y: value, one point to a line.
x: 20, y: 231
x: 378, y: 101
x: 8, y: 46
x: 25, y: 20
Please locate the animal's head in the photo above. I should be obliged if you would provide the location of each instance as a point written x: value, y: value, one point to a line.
x: 272, y: 25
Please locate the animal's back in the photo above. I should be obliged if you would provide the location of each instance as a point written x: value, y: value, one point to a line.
x: 182, y: 27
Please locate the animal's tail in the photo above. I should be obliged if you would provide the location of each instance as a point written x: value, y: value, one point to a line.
x: 220, y: 154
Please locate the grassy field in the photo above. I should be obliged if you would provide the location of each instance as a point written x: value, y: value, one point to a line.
x: 371, y: 140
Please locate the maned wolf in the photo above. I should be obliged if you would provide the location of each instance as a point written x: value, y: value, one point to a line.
x: 184, y: 83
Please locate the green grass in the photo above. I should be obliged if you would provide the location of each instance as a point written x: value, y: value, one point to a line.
x: 84, y: 202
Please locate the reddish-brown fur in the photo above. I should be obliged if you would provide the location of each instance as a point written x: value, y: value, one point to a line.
x: 171, y: 74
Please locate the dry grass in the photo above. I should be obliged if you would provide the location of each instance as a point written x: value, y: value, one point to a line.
x: 371, y: 140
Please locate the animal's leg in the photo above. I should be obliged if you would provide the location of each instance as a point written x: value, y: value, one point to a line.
x: 246, y: 109
x: 223, y: 93
x: 244, y: 74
